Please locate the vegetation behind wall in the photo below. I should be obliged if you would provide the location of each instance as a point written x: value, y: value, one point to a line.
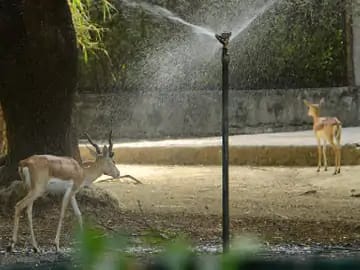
x: 295, y: 44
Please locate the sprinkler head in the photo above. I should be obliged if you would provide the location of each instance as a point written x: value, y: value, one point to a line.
x: 224, y: 38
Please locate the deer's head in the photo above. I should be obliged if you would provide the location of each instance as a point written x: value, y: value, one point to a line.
x: 104, y: 157
x: 314, y: 108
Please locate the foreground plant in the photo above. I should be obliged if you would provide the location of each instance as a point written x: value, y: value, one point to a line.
x: 96, y: 250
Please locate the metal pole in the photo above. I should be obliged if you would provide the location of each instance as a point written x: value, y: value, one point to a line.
x: 224, y: 40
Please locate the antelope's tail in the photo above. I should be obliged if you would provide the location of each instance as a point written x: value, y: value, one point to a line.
x: 25, y: 176
x: 337, y: 134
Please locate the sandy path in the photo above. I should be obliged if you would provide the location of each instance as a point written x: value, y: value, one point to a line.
x: 265, y: 195
x: 263, y: 191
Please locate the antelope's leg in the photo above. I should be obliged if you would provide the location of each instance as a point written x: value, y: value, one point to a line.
x: 319, y: 154
x: 68, y: 194
x: 338, y: 142
x: 338, y: 148
x: 27, y: 200
x: 33, y: 240
x: 324, y: 155
x: 77, y: 211
x: 334, y: 147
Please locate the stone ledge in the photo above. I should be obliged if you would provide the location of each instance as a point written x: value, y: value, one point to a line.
x: 296, y: 155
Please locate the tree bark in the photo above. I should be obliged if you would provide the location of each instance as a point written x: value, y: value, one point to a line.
x: 38, y: 74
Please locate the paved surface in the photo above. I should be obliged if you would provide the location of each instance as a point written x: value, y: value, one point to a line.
x: 306, y: 138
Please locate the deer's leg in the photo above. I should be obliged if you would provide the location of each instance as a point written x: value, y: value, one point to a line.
x: 338, y: 144
x: 334, y: 147
x: 324, y: 155
x: 27, y: 200
x: 319, y: 154
x: 33, y: 240
x: 337, y: 151
x: 77, y: 211
x: 68, y: 194
x: 339, y: 158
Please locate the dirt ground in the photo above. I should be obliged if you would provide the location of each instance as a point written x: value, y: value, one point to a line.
x: 278, y: 204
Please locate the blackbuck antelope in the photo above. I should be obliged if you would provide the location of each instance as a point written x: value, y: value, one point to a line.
x: 327, y: 129
x: 53, y: 174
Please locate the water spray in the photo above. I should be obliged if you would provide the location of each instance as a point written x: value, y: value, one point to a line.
x: 224, y: 39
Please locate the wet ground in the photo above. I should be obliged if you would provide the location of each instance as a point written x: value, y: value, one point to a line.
x: 49, y: 259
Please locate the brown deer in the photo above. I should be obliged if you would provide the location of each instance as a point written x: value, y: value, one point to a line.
x: 56, y: 174
x: 327, y: 130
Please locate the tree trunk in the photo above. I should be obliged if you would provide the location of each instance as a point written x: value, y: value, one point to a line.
x: 38, y: 72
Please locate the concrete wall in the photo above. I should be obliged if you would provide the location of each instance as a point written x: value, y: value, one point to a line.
x: 198, y: 113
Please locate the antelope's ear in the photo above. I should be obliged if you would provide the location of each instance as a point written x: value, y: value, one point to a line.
x: 306, y: 102
x: 322, y: 101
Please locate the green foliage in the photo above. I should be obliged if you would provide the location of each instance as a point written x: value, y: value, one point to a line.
x: 131, y: 34
x: 298, y: 43
x: 98, y: 251
x: 89, y: 33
